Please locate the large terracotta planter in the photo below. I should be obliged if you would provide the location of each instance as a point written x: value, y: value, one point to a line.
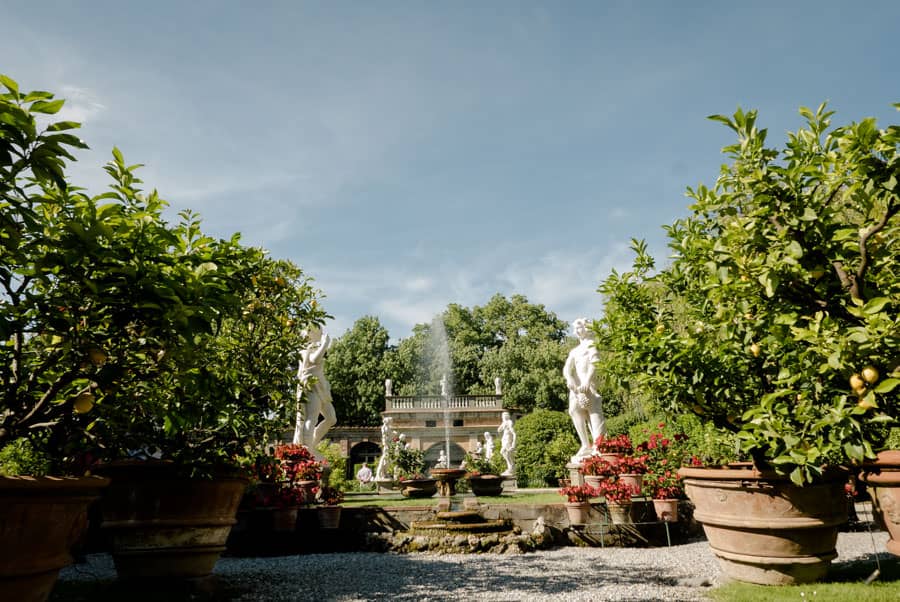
x: 594, y: 480
x: 40, y: 520
x: 486, y: 484
x: 883, y: 479
x: 164, y: 526
x: 763, y: 528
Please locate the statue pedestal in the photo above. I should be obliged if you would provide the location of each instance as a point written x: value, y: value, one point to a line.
x: 575, y: 476
x: 509, y: 483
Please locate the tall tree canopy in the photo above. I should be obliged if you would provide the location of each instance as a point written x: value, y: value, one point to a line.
x: 522, y: 343
x: 358, y: 363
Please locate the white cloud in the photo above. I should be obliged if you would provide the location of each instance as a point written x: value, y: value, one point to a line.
x: 82, y: 105
x: 563, y: 280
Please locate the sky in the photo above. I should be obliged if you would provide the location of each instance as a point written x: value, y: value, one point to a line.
x: 408, y: 155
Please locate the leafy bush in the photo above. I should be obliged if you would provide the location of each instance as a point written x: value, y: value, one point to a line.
x: 546, y: 441
x: 21, y: 457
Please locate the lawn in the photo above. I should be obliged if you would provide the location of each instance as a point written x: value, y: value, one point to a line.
x: 841, y: 585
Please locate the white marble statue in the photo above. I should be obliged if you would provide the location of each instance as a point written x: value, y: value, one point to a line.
x: 498, y: 386
x: 507, y: 443
x: 488, y: 445
x: 313, y: 392
x: 387, y: 439
x: 585, y: 404
x: 388, y: 386
x: 442, y: 461
x: 445, y: 386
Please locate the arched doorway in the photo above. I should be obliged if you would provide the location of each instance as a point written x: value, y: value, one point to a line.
x: 457, y: 454
x: 365, y: 452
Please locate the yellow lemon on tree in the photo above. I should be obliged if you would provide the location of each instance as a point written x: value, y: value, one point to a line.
x: 83, y: 403
x: 870, y: 374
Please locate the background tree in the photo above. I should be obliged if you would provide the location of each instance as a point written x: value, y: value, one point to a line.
x: 521, y: 342
x: 358, y: 364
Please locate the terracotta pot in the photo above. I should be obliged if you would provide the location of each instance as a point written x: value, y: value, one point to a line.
x: 666, y: 510
x: 418, y: 488
x: 164, y: 526
x: 635, y: 480
x: 763, y: 528
x: 329, y: 517
x: 883, y: 479
x: 619, y: 514
x: 40, y: 519
x: 486, y: 484
x: 308, y: 487
x: 593, y: 480
x: 578, y: 512
x: 284, y: 520
x: 611, y: 457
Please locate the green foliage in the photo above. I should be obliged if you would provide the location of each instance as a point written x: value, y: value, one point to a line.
x: 522, y: 343
x: 703, y: 440
x: 545, y: 443
x: 358, y: 364
x: 783, y: 286
x: 21, y: 457
x: 406, y: 462
x: 338, y: 463
x: 122, y: 332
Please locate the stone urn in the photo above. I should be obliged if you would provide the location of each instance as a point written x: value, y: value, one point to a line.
x: 418, y: 488
x: 763, y: 528
x: 486, y: 484
x: 883, y: 479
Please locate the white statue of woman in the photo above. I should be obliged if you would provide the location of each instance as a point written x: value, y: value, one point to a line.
x: 585, y: 404
x: 313, y: 392
x: 387, y: 439
x: 507, y: 442
x: 488, y: 445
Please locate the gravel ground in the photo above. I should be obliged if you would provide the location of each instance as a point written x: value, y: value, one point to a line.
x: 573, y: 574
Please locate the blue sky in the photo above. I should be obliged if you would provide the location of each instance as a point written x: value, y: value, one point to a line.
x: 412, y: 154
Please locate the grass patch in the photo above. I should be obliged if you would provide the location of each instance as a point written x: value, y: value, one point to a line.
x: 395, y: 500
x: 813, y: 592
x: 845, y: 581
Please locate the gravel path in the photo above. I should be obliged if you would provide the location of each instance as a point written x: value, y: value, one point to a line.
x: 573, y: 574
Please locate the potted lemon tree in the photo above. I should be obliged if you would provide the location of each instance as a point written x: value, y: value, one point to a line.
x: 773, y: 318
x: 123, y: 335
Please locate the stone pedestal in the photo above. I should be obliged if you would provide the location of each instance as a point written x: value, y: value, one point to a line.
x: 575, y: 476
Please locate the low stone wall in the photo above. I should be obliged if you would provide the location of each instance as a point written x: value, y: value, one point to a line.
x: 383, y: 528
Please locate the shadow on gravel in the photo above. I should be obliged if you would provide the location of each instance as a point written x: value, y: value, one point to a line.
x: 390, y: 577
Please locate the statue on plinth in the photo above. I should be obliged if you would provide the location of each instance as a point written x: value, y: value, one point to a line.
x: 507, y: 443
x: 585, y: 404
x: 313, y: 392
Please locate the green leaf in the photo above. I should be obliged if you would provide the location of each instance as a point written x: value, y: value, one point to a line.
x: 60, y: 126
x: 873, y: 306
x: 809, y: 215
x: 795, y: 250
x: 48, y: 107
x: 887, y: 385
x: 10, y: 84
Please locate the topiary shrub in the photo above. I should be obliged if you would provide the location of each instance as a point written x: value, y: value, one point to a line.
x: 545, y: 442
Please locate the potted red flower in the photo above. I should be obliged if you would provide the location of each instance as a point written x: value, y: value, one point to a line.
x: 578, y: 502
x: 618, y: 494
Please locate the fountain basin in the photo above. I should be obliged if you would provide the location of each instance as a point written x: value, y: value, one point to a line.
x: 446, y: 479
